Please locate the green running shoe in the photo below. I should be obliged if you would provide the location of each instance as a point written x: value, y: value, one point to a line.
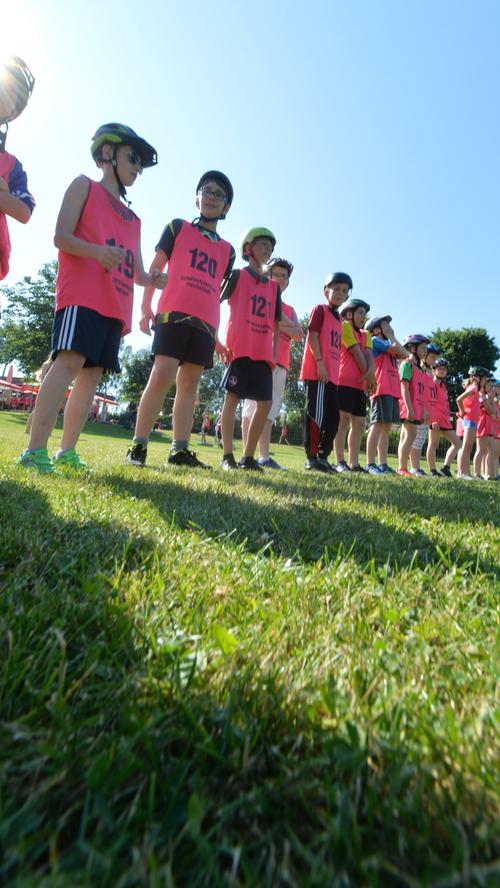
x: 38, y: 459
x: 69, y: 459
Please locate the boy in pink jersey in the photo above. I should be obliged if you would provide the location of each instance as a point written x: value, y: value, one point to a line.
x: 384, y: 407
x: 469, y: 409
x: 16, y: 202
x: 320, y: 371
x: 187, y: 317
x: 278, y: 270
x: 440, y: 423
x: 98, y: 237
x: 357, y: 371
x: 251, y: 344
x: 412, y: 405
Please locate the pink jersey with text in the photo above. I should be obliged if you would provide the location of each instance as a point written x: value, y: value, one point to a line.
x: 350, y: 374
x: 84, y: 281
x: 470, y: 404
x: 486, y: 424
x: 386, y: 376
x: 7, y: 163
x: 431, y: 397
x: 195, y: 272
x: 443, y: 407
x: 252, y: 311
x: 417, y: 395
x: 330, y: 337
x: 284, y: 341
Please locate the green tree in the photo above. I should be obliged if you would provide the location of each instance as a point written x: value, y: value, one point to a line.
x: 470, y: 345
x: 27, y: 318
x: 135, y: 374
x: 294, y: 396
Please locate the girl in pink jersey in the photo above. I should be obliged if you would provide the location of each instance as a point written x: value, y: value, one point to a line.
x: 412, y: 405
x: 384, y: 409
x: 469, y: 410
x: 357, y: 372
x: 98, y: 237
x: 484, y: 457
x: 440, y: 422
x: 186, y: 318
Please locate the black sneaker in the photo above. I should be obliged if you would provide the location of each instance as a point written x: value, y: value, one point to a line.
x: 249, y: 463
x: 324, y: 465
x: 435, y: 473
x: 228, y: 462
x: 445, y: 472
x: 358, y: 468
x: 384, y: 469
x: 136, y: 455
x: 186, y: 458
x: 314, y: 464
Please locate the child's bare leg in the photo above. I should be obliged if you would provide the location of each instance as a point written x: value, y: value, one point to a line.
x: 432, y: 445
x: 78, y: 405
x: 465, y: 451
x: 245, y: 423
x: 228, y: 414
x: 52, y: 393
x: 354, y: 440
x: 160, y: 379
x: 187, y: 379
x: 255, y: 428
x: 265, y: 439
x: 383, y: 443
x: 408, y: 435
x: 372, y: 442
x: 453, y: 450
x: 339, y: 442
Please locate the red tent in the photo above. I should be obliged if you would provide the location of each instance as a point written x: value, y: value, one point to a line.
x: 10, y: 385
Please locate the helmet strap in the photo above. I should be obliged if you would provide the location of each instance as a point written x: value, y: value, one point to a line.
x: 3, y: 136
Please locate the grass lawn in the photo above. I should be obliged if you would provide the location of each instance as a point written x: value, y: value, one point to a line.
x: 221, y: 679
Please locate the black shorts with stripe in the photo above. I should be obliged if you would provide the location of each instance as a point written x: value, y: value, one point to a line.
x: 185, y: 342
x: 85, y: 331
x: 247, y: 378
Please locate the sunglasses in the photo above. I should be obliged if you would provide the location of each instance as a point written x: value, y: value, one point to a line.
x: 134, y: 158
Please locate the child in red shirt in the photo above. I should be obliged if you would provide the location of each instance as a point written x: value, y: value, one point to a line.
x: 469, y: 409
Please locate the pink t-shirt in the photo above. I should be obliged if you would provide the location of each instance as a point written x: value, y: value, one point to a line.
x: 195, y: 272
x: 386, y: 376
x: 443, y: 407
x: 470, y: 404
x: 84, y: 281
x: 252, y: 313
x: 328, y: 326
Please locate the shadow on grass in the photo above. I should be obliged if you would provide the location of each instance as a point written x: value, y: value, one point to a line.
x: 120, y: 764
x: 307, y: 529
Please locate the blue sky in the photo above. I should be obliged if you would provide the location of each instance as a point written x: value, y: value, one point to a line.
x: 364, y: 134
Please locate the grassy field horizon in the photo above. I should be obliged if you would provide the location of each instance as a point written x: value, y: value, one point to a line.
x: 238, y: 679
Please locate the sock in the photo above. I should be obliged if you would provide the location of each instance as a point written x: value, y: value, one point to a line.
x: 178, y: 444
x: 138, y: 440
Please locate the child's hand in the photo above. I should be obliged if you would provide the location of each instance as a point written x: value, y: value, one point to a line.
x: 3, y: 184
x: 322, y: 371
x: 110, y: 256
x: 158, y: 279
x: 146, y: 319
x: 371, y: 382
x: 223, y: 353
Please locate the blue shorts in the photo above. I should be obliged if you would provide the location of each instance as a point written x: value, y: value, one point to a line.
x: 469, y: 424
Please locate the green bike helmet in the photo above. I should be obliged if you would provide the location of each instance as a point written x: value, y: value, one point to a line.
x: 252, y: 234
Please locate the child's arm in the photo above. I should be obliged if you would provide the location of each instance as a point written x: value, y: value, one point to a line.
x: 359, y: 357
x: 460, y: 399
x: 489, y: 405
x: 69, y: 214
x: 147, y: 317
x: 155, y: 280
x: 405, y: 394
x: 291, y: 328
x: 316, y: 353
x: 369, y: 376
x: 13, y: 206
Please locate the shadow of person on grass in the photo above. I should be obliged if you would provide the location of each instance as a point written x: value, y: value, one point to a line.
x: 122, y: 760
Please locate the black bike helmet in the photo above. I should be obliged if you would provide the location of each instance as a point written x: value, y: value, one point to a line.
x: 441, y: 362
x: 415, y: 339
x: 221, y: 179
x: 476, y: 370
x: 339, y: 277
x: 283, y: 263
x: 351, y: 305
x: 377, y: 321
x: 119, y: 134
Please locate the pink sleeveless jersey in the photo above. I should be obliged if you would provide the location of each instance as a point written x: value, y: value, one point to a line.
x: 7, y: 164
x: 417, y: 395
x: 195, y: 272
x: 443, y: 407
x: 470, y: 404
x: 431, y: 397
x: 284, y: 341
x: 350, y: 374
x: 386, y: 376
x: 330, y: 337
x: 496, y: 423
x: 252, y: 311
x: 83, y: 281
x: 486, y: 424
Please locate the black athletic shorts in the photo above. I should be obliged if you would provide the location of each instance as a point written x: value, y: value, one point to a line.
x: 88, y: 333
x: 384, y: 408
x: 184, y: 342
x: 352, y: 400
x: 249, y: 379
